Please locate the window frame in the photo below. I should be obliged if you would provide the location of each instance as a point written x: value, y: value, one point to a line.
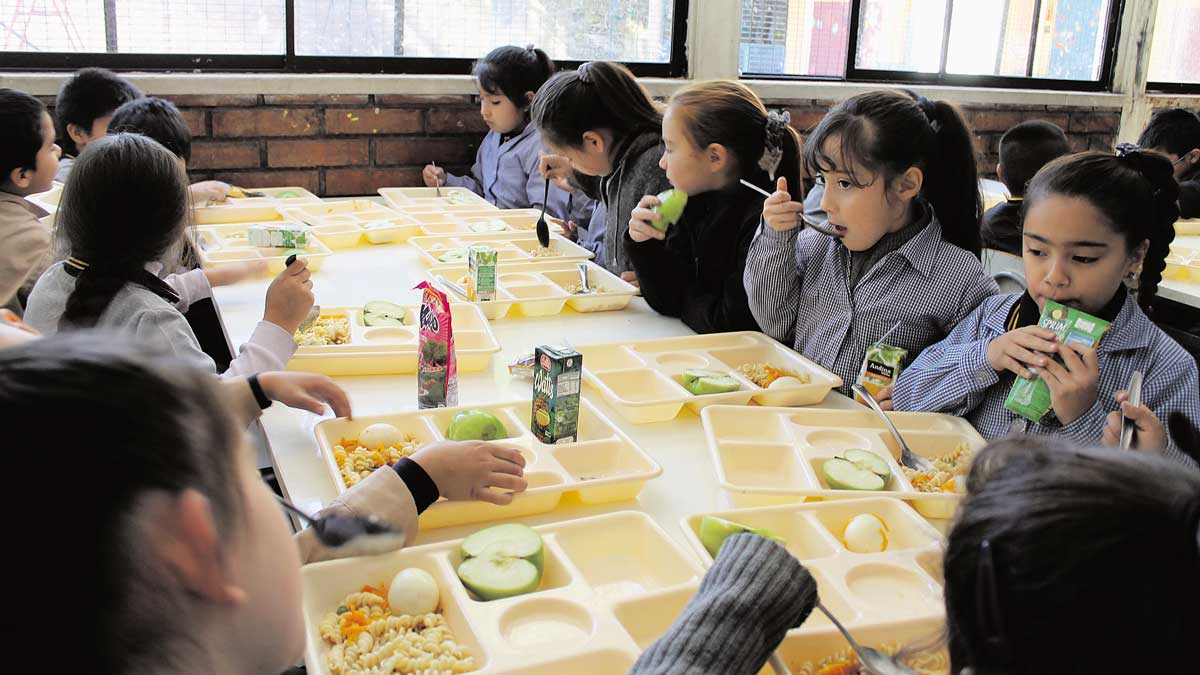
x: 855, y: 74
x: 291, y: 63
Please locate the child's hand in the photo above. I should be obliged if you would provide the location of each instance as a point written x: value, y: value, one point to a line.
x: 13, y: 331
x: 433, y: 175
x: 235, y: 272
x: 556, y: 168
x: 290, y: 297
x: 571, y: 230
x: 1017, y: 349
x: 1149, y: 433
x: 779, y: 211
x: 466, y: 470
x: 1073, y: 383
x: 641, y: 219
x: 884, y: 398
x: 630, y: 277
x: 305, y: 391
x: 209, y: 191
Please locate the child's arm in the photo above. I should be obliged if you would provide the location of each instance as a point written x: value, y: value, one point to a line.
x: 952, y: 376
x: 754, y: 593
x: 472, y: 181
x: 773, y: 269
x: 1169, y: 389
x: 271, y: 345
x: 190, y: 286
x: 1150, y: 434
x: 24, y: 255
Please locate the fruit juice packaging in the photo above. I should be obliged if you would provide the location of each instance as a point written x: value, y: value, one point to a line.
x: 557, y: 373
x: 881, y: 366
x: 278, y: 236
x: 437, y: 371
x: 481, y: 260
x: 1031, y: 398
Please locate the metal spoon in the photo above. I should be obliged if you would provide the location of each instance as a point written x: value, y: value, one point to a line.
x: 808, y: 221
x: 584, y: 287
x: 1135, y: 399
x: 543, y: 230
x: 446, y: 283
x: 353, y: 535
x: 437, y: 179
x: 907, y: 457
x: 873, y: 660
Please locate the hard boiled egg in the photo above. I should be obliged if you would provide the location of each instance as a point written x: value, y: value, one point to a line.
x: 413, y: 592
x: 379, y: 435
x: 785, y: 381
x: 866, y: 533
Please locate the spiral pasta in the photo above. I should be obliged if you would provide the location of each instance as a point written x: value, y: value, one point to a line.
x: 356, y: 462
x: 843, y: 662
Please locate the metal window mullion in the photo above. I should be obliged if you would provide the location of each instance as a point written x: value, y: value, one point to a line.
x: 852, y: 41
x: 1034, y: 31
x: 111, y: 45
x: 289, y: 28
x: 945, y: 38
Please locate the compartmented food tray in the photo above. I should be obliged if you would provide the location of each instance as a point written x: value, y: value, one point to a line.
x: 1183, y: 261
x: 545, y: 288
x: 890, y: 597
x: 603, y: 466
x: 511, y: 248
x: 774, y: 455
x: 1187, y: 227
x: 50, y: 199
x: 381, y: 350
x: 598, y: 605
x: 484, y: 222
x: 253, y: 209
x: 423, y: 199
x: 220, y: 245
x: 343, y: 223
x: 643, y: 379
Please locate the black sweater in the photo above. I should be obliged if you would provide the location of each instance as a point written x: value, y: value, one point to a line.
x: 1189, y: 196
x: 696, y: 273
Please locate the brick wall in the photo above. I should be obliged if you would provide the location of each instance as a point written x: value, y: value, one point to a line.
x: 354, y: 144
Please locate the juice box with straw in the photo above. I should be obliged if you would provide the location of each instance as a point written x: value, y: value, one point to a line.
x: 881, y: 367
x: 437, y: 368
x: 1031, y: 398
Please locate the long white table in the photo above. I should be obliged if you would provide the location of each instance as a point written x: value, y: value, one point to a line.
x: 355, y: 276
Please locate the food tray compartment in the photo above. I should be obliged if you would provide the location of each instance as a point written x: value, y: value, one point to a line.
x: 603, y: 466
x: 378, y: 350
x: 220, y: 245
x: 252, y: 209
x: 511, y: 248
x: 374, y: 222
x: 545, y: 288
x: 452, y: 199
x: 642, y: 379
x: 769, y: 455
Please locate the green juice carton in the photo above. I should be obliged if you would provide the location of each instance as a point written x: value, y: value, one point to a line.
x: 481, y: 261
x: 557, y: 374
x: 1031, y: 398
x: 880, y: 368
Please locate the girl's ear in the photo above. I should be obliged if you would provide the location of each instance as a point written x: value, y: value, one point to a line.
x: 1192, y: 157
x: 185, y: 536
x: 908, y: 184
x: 529, y: 96
x: 20, y: 177
x: 1137, y: 258
x: 594, y: 142
x: 78, y: 134
x: 717, y: 156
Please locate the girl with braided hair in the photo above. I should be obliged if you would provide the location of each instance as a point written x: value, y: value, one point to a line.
x: 715, y: 134
x: 1093, y: 221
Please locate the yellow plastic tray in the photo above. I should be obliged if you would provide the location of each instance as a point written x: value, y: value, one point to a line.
x: 1183, y: 261
x: 540, y: 289
x: 343, y: 223
x: 640, y: 378
x: 604, y: 466
x: 1187, y: 227
x: 383, y: 350
x: 514, y: 220
x: 890, y: 597
x: 251, y: 209
x: 220, y: 245
x: 511, y: 247
x: 49, y: 199
x: 774, y: 455
x: 595, y: 611
x: 453, y: 199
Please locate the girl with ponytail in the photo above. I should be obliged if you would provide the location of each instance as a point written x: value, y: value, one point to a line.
x: 901, y: 196
x: 124, y: 210
x: 715, y: 134
x: 1093, y: 222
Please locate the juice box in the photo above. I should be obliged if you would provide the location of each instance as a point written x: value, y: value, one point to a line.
x: 881, y: 367
x: 481, y: 260
x: 1031, y: 398
x: 269, y: 235
x: 557, y: 373
x: 437, y: 369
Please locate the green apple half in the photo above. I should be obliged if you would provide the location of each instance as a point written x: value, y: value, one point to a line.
x: 502, y: 561
x: 714, y: 531
x: 701, y: 382
x: 476, y: 425
x: 670, y: 208
x: 857, y: 470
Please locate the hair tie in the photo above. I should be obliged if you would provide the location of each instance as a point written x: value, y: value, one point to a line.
x: 529, y: 48
x: 774, y: 130
x: 929, y: 108
x: 1126, y: 149
x: 584, y: 72
x: 76, y: 263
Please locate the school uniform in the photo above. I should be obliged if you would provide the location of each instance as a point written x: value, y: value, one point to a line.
x: 1189, y: 196
x: 63, y: 173
x: 1002, y: 224
x: 696, y: 272
x: 806, y: 289
x: 506, y: 173
x: 24, y: 249
x: 955, y: 377
x: 145, y: 309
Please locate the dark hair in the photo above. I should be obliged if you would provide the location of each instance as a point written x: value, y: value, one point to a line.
x: 158, y: 119
x: 1071, y: 560
x: 597, y: 95
x: 730, y: 114
x: 887, y: 132
x: 512, y: 71
x: 85, y: 97
x: 1175, y: 130
x: 20, y: 131
x: 140, y: 423
x: 1026, y: 148
x: 125, y: 206
x: 1137, y: 194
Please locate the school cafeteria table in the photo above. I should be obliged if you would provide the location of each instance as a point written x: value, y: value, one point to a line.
x: 355, y: 276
